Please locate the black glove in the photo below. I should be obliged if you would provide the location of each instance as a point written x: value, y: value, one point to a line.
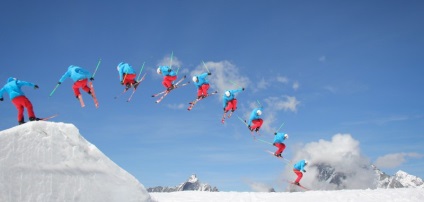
x: 242, y: 89
x: 122, y: 83
x: 273, y: 143
x: 224, y: 109
x: 1, y: 99
x: 209, y: 73
x: 91, y: 79
x: 169, y: 70
x: 36, y: 87
x: 59, y: 82
x: 304, y: 171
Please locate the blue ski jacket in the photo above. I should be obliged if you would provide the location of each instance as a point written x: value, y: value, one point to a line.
x: 226, y: 99
x: 279, y: 138
x: 201, y: 79
x: 13, y: 87
x: 167, y: 71
x: 124, y: 68
x: 76, y: 73
x: 300, y: 165
x: 254, y: 115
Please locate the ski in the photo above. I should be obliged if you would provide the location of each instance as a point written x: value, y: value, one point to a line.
x: 160, y: 93
x: 282, y: 158
x: 167, y: 91
x: 198, y: 99
x: 135, y: 87
x: 81, y: 100
x: 93, y: 94
x: 251, y: 131
x: 49, y: 117
x: 290, y: 182
x: 225, y: 116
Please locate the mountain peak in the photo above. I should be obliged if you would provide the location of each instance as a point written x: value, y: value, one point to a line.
x: 192, y: 184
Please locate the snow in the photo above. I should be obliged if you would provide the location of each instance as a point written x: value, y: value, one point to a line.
x: 386, y: 195
x: 45, y: 161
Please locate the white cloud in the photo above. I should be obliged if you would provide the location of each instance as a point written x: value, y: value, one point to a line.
x: 283, y: 103
x: 176, y: 106
x: 296, y: 85
x: 259, y: 187
x: 343, y: 154
x: 225, y: 76
x: 282, y: 79
x: 394, y: 160
x: 262, y: 84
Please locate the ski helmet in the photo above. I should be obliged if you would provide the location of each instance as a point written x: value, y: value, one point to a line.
x: 227, y: 93
x: 117, y: 67
x: 306, y: 162
x: 195, y: 79
x: 158, y: 70
x: 258, y: 112
x: 286, y: 136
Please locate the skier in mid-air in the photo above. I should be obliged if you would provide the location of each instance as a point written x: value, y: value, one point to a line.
x: 278, y: 142
x: 229, y: 101
x: 18, y: 98
x: 255, y: 122
x: 127, y: 75
x: 298, y: 168
x: 169, y: 76
x: 202, y: 85
x: 80, y: 77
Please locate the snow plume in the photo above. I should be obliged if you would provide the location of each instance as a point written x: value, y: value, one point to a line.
x: 394, y: 160
x: 225, y: 76
x: 260, y: 187
x: 335, y: 164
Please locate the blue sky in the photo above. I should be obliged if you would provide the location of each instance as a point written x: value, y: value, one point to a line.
x: 319, y: 67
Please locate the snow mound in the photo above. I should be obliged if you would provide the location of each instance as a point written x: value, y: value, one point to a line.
x: 46, y: 161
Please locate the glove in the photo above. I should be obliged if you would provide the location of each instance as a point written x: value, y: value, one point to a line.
x: 242, y: 89
x: 209, y: 73
x: 91, y: 79
x: 169, y: 70
x: 1, y: 99
x: 275, y: 133
x: 122, y: 83
x: 59, y: 82
x: 36, y: 87
x: 224, y: 109
x: 273, y: 144
x: 304, y: 171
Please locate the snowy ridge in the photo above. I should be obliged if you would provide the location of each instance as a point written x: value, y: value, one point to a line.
x: 408, y: 180
x: 45, y: 161
x: 192, y: 184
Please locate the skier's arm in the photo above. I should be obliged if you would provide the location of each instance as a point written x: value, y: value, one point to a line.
x: 25, y: 83
x: 1, y: 94
x: 65, y: 76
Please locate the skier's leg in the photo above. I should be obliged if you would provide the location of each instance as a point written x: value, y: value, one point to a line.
x: 28, y: 105
x: 299, y: 175
x: 18, y: 102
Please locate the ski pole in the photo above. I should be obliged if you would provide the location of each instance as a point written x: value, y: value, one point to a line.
x: 264, y: 141
x: 205, y: 66
x: 259, y: 103
x: 57, y: 85
x: 280, y: 127
x: 139, y: 74
x: 97, y: 67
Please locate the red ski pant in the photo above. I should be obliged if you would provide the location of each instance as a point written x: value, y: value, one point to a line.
x: 231, y: 105
x: 299, y: 175
x: 20, y: 102
x: 167, y: 81
x: 257, y: 123
x: 281, y: 147
x: 203, y: 90
x: 129, y: 79
x: 80, y: 84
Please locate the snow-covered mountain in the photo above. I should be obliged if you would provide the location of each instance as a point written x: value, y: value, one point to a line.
x: 328, y: 174
x: 46, y: 161
x: 192, y: 184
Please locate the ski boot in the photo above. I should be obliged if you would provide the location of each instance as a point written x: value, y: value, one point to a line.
x: 34, y: 119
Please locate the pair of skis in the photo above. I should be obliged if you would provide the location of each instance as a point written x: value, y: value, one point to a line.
x: 225, y: 116
x: 93, y: 95
x: 134, y: 88
x: 166, y: 92
x: 251, y: 131
x: 194, y: 102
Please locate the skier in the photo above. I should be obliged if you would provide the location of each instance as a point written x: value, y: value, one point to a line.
x: 13, y: 88
x: 255, y: 122
x: 202, y: 85
x: 278, y: 142
x: 80, y: 77
x: 127, y: 75
x: 298, y: 168
x: 169, y: 76
x: 229, y: 100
